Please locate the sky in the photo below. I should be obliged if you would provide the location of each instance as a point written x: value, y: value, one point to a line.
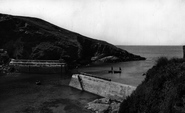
x: 120, y: 22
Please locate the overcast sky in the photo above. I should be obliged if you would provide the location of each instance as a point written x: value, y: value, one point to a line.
x: 120, y: 22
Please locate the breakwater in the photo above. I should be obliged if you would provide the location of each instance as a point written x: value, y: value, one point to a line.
x: 39, y: 66
x: 101, y: 87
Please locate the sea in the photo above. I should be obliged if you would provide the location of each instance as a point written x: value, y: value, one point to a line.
x: 132, y: 72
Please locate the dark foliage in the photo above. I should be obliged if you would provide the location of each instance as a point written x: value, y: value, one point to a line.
x: 4, y: 58
x: 162, y: 91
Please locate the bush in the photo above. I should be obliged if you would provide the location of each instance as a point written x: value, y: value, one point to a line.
x: 162, y: 61
x: 162, y: 91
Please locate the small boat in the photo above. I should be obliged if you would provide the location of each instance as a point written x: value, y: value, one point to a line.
x: 38, y: 82
x: 112, y: 71
x: 118, y: 71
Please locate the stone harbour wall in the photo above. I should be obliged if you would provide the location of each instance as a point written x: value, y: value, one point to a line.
x: 101, y: 87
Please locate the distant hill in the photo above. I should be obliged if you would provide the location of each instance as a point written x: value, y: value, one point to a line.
x: 33, y: 38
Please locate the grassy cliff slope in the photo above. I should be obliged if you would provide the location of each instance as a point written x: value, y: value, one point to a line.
x: 33, y: 38
x: 162, y: 91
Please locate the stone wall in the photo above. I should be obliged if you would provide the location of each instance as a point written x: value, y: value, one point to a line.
x: 101, y: 87
x: 39, y: 66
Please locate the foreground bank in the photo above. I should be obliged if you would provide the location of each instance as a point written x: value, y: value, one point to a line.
x: 162, y: 91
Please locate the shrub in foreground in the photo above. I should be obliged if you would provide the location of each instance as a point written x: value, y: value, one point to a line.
x: 162, y: 91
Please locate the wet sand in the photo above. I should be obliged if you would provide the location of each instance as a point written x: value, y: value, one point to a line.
x: 20, y: 94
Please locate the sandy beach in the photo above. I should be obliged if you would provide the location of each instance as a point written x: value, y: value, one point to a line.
x: 20, y: 94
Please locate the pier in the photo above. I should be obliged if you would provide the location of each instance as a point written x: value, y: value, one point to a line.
x: 102, y: 87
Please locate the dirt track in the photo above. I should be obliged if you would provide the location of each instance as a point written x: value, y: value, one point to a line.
x: 20, y: 94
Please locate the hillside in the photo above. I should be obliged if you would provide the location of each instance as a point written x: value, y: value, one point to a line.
x: 33, y: 38
x: 162, y: 91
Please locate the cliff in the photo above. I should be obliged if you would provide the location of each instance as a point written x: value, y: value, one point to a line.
x: 33, y: 38
x: 162, y: 91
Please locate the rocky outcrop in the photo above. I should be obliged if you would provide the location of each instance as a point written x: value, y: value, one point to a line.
x: 33, y: 38
x: 104, y: 105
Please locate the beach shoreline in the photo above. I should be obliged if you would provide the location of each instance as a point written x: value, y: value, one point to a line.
x: 20, y: 93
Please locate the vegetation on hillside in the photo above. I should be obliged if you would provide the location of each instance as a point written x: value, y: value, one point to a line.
x: 33, y: 38
x: 162, y: 91
x: 4, y: 58
x: 4, y: 61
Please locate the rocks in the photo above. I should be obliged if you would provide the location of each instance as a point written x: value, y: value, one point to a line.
x: 109, y: 59
x: 104, y: 105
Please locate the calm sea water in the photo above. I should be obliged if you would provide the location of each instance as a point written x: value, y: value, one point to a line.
x: 132, y: 71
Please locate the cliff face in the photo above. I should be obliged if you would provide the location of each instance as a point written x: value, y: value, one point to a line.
x: 32, y: 38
